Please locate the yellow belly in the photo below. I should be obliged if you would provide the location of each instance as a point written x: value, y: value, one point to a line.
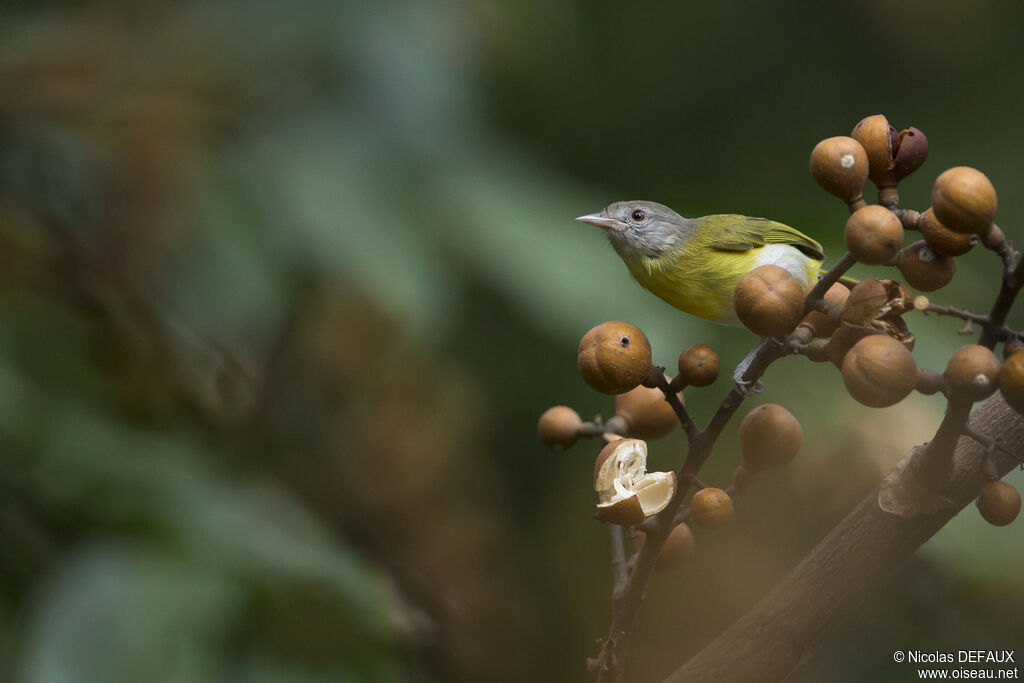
x: 703, y: 283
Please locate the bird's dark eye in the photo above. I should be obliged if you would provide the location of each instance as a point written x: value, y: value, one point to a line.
x: 639, y: 215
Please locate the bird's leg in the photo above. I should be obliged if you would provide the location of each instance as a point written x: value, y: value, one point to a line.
x: 748, y: 388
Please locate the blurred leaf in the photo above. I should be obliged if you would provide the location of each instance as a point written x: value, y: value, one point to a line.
x: 113, y: 614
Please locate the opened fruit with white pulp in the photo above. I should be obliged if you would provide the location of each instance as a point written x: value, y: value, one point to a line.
x: 627, y: 493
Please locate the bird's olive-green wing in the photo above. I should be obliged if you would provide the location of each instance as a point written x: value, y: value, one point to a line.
x: 741, y: 233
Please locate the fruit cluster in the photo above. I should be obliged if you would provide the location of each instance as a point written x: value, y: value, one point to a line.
x: 861, y: 330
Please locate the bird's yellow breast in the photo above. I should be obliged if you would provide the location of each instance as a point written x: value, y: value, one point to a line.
x: 701, y: 280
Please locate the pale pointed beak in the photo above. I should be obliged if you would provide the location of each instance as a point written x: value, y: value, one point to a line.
x: 601, y: 221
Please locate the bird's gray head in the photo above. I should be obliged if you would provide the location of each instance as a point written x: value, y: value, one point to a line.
x: 640, y: 228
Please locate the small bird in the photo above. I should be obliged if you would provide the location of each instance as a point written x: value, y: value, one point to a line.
x: 695, y: 264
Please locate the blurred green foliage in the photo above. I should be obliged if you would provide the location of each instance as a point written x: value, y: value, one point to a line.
x: 284, y: 288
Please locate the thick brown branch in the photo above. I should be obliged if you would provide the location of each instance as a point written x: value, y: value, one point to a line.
x: 786, y: 627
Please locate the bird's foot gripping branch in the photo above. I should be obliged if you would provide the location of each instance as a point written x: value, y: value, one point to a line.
x: 863, y: 331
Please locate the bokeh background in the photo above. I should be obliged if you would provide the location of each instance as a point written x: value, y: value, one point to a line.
x: 285, y: 286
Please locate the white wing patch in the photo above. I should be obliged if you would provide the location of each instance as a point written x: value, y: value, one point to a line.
x: 785, y: 256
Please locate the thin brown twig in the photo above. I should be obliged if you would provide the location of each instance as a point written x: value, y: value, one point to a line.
x: 961, y: 313
x: 1012, y: 281
x: 689, y: 426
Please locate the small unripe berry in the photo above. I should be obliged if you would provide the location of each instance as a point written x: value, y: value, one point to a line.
x: 999, y: 503
x: 769, y: 437
x: 941, y: 239
x: 710, y: 508
x: 825, y: 324
x: 674, y: 551
x: 646, y: 413
x: 559, y: 426
x: 698, y: 366
x: 1011, y: 381
x: 923, y: 269
x: 972, y: 372
x: 879, y: 371
x: 964, y: 200
x: 873, y: 235
x: 840, y: 166
x: 614, y: 357
x: 769, y: 301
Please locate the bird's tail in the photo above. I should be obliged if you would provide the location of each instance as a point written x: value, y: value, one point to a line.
x: 849, y: 281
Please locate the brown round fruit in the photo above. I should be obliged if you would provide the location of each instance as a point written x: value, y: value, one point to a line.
x: 769, y: 437
x: 972, y: 373
x: 941, y: 239
x: 559, y: 426
x: 1011, y: 381
x: 614, y: 357
x: 911, y: 152
x: 872, y: 299
x: 879, y: 371
x: 710, y: 508
x: 874, y: 235
x: 646, y: 413
x: 674, y: 551
x: 964, y: 200
x: 999, y: 503
x: 843, y: 340
x: 825, y: 324
x: 876, y: 136
x: 769, y: 301
x: 840, y: 166
x: 698, y: 366
x: 923, y: 269
x: 1012, y: 346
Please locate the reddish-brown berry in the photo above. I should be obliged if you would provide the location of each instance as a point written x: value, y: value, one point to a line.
x: 710, y: 508
x: 559, y: 426
x: 824, y: 324
x: 840, y: 166
x: 923, y: 269
x: 879, y: 371
x: 769, y: 437
x: 646, y: 413
x: 614, y: 357
x: 972, y: 373
x: 698, y: 366
x: 964, y: 200
x: 876, y: 136
x: 941, y: 239
x: 676, y: 549
x: 999, y: 503
x: 873, y: 235
x: 1011, y: 381
x: 769, y: 301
